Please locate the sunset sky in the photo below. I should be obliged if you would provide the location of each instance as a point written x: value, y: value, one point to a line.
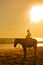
x: 15, y: 19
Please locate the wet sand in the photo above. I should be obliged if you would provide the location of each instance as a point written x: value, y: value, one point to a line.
x: 15, y: 56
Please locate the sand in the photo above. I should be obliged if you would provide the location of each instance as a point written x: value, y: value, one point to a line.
x: 15, y: 56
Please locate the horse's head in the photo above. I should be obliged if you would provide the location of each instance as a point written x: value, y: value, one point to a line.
x: 15, y: 43
x: 18, y: 41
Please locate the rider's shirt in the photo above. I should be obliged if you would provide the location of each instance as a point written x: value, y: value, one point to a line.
x: 28, y: 35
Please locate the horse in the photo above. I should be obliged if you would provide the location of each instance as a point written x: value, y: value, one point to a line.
x: 26, y: 43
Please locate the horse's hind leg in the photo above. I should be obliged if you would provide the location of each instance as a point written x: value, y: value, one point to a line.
x: 35, y: 48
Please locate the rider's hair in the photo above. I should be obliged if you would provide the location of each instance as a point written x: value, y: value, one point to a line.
x: 27, y: 30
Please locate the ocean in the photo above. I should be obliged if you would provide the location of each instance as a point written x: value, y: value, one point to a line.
x: 7, y: 43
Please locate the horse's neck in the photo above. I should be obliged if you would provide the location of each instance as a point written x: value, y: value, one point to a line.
x: 20, y: 41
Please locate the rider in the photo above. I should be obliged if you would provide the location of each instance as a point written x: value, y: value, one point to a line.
x: 28, y: 34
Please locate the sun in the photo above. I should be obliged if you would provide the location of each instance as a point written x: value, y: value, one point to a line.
x: 36, y: 13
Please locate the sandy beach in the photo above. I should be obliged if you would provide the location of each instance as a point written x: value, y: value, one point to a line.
x: 14, y: 56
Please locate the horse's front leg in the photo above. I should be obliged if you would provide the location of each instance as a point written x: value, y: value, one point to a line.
x: 24, y: 53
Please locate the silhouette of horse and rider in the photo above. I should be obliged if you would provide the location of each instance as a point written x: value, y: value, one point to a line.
x: 27, y: 42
